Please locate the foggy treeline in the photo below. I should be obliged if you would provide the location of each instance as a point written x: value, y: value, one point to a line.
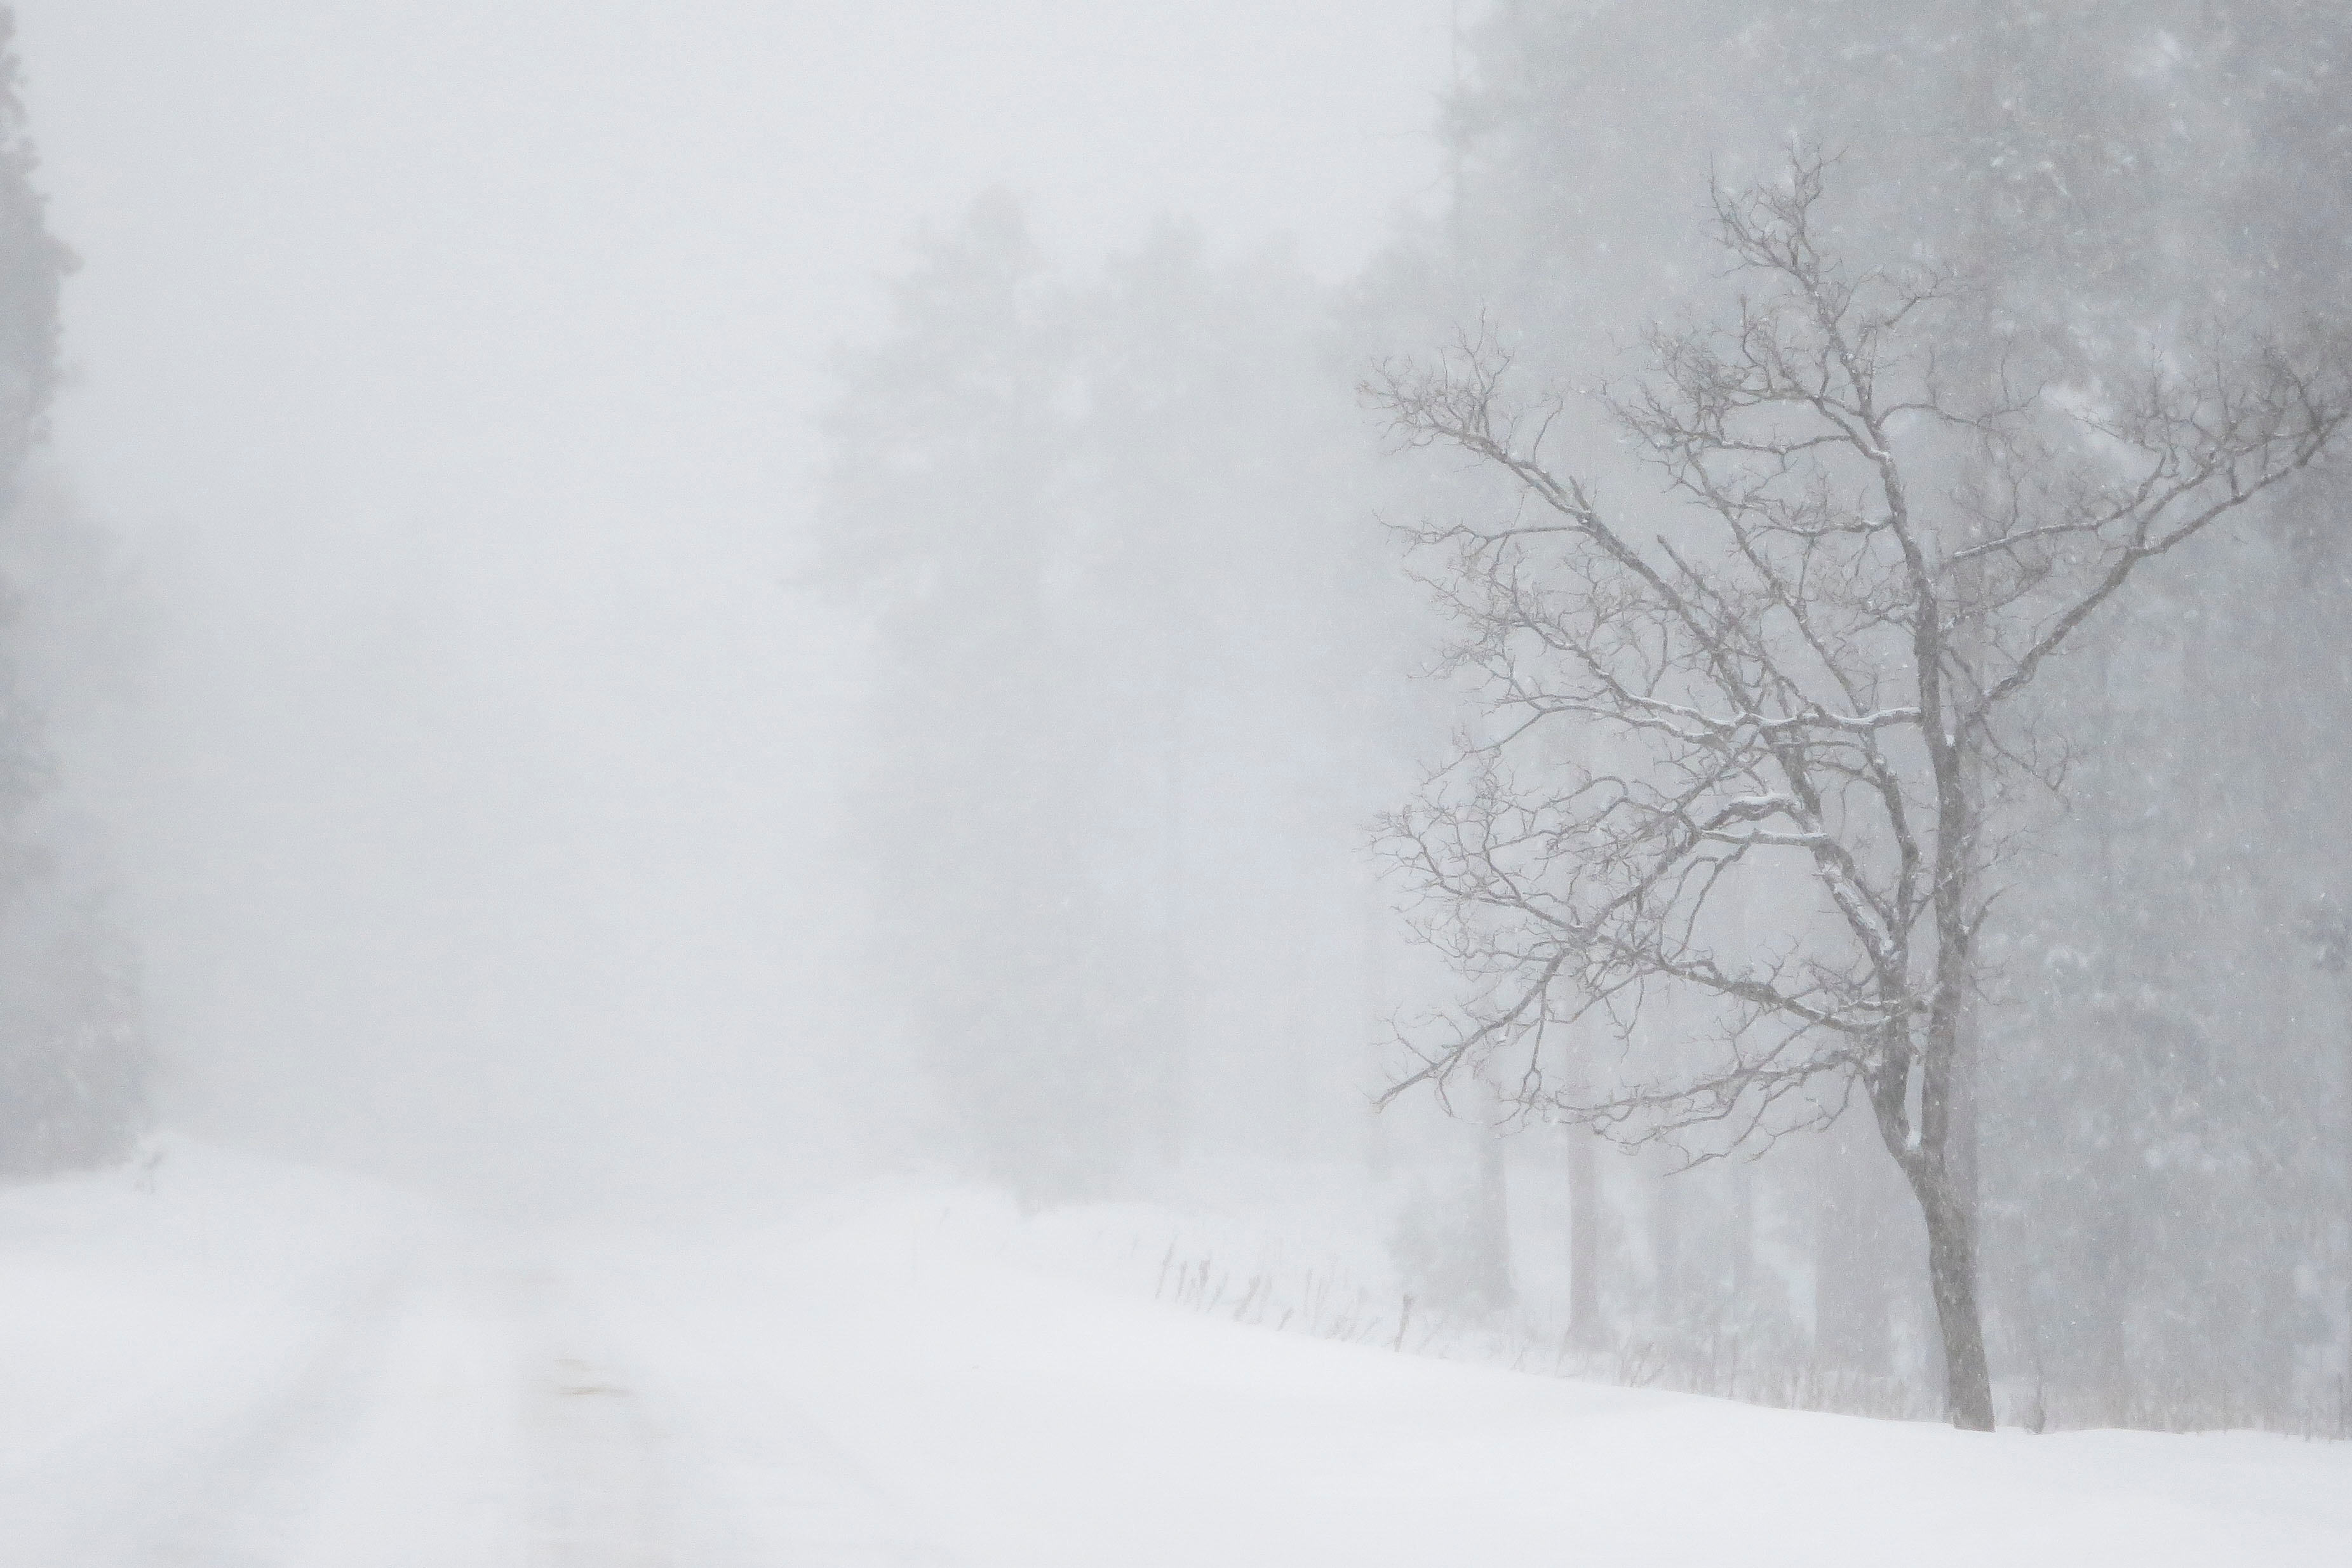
x: 1149, y: 658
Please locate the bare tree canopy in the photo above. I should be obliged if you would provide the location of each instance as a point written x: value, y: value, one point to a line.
x: 1813, y: 667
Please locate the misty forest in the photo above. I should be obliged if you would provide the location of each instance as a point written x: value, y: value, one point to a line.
x: 1394, y: 783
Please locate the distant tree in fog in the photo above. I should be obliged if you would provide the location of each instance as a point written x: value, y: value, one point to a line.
x: 71, y: 1051
x: 948, y: 509
x: 1807, y: 677
x: 1085, y: 518
x: 33, y: 266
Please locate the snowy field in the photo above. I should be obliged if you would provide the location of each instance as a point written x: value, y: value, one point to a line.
x: 217, y: 1361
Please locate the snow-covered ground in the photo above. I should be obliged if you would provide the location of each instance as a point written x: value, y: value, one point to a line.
x: 215, y: 1360
x: 225, y: 1362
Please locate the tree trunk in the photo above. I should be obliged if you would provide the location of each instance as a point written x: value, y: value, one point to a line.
x: 1666, y: 1246
x: 1740, y: 1244
x: 1583, y: 1236
x: 1850, y: 1268
x: 1952, y: 1275
x: 1495, y: 1289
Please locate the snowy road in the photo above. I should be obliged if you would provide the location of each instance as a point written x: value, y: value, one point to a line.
x: 249, y: 1369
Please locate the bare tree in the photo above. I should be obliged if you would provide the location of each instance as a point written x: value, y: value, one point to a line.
x: 1800, y: 673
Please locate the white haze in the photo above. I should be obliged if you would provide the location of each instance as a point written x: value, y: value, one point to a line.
x: 729, y: 669
x: 444, y: 369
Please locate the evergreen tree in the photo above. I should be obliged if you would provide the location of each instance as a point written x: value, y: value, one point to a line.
x: 72, y: 1052
x: 1107, y: 533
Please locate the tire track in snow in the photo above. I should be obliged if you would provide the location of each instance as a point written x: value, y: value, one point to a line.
x: 598, y: 1498
x: 209, y: 1492
x: 718, y: 1464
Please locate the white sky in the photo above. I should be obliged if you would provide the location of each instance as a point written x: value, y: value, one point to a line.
x: 441, y: 365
